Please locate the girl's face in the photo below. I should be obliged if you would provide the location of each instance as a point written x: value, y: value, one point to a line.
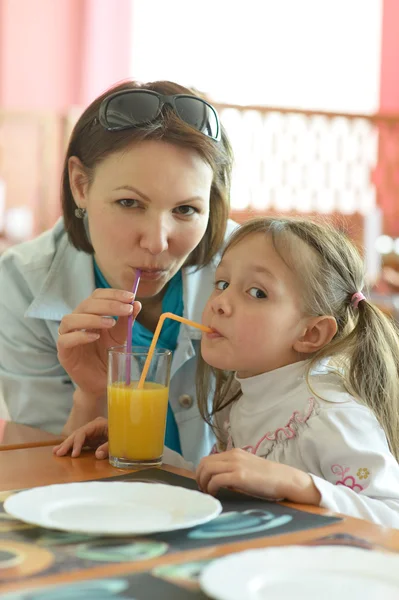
x: 147, y: 208
x: 255, y: 310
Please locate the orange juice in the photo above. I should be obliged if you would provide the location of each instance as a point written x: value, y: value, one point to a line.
x: 137, y: 420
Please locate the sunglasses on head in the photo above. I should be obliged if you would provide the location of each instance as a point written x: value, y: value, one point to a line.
x: 132, y: 108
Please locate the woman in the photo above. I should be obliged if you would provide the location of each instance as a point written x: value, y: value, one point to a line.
x: 145, y: 186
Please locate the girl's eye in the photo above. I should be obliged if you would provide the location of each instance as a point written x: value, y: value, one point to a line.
x: 185, y: 210
x: 128, y: 203
x: 221, y: 285
x: 257, y: 293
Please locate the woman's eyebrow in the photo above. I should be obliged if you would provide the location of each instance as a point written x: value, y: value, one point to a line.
x: 192, y: 199
x: 130, y: 188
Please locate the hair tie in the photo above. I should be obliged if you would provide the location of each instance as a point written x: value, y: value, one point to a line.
x: 356, y: 298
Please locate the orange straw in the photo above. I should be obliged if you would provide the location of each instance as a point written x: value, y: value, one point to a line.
x: 162, y: 318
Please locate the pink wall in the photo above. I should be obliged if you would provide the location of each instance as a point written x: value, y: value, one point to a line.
x: 53, y: 54
x: 389, y: 80
x: 56, y: 53
x: 386, y: 174
x: 106, y: 46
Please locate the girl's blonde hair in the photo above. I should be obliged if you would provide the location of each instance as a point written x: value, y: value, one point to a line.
x: 365, y: 348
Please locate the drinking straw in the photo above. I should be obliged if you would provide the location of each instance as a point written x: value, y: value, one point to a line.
x: 130, y: 327
x: 162, y: 318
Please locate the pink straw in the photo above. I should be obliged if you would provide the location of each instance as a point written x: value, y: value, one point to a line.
x: 130, y: 326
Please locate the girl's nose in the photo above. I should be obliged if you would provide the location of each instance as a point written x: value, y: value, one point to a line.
x: 222, y: 305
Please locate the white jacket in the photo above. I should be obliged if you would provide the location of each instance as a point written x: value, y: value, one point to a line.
x: 321, y: 430
x: 46, y: 278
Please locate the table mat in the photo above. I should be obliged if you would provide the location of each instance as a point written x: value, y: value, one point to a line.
x: 169, y: 582
x: 27, y: 551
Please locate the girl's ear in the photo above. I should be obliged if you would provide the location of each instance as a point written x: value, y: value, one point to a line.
x: 318, y: 333
x: 79, y: 181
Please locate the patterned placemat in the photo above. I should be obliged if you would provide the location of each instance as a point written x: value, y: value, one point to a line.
x: 29, y: 551
x: 169, y: 582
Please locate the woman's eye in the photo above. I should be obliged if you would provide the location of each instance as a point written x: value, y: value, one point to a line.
x: 221, y: 285
x: 128, y: 203
x: 257, y: 293
x: 185, y: 210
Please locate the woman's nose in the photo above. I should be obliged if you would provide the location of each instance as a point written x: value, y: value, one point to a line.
x: 155, y: 236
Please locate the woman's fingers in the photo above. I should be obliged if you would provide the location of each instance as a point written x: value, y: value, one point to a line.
x: 82, y: 329
x: 111, y: 294
x: 74, y: 322
x: 79, y: 329
x: 104, y: 308
x: 78, y: 443
x: 73, y: 442
x: 65, y: 446
x: 102, y: 451
x: 102, y: 303
x: 92, y: 434
x: 119, y: 332
x: 76, y: 338
x: 136, y: 308
x: 106, y: 302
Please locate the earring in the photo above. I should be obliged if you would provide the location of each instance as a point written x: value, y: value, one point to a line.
x: 80, y: 213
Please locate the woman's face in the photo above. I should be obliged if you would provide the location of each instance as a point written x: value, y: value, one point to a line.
x: 147, y: 208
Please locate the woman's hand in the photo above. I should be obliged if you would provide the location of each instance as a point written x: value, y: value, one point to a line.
x: 256, y: 476
x: 86, y: 334
x: 93, y: 434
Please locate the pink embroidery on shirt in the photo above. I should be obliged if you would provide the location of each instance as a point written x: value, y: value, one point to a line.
x: 230, y: 444
x: 289, y: 431
x: 348, y: 481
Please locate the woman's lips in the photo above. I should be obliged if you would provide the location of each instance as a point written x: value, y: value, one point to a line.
x: 151, y: 274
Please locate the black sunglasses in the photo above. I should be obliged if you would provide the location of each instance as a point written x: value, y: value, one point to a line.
x: 132, y: 108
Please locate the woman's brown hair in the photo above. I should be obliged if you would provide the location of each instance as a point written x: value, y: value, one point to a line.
x: 91, y: 143
x: 365, y: 348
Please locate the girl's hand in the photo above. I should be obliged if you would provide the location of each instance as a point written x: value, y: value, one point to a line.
x: 255, y: 476
x: 93, y: 434
x: 86, y: 334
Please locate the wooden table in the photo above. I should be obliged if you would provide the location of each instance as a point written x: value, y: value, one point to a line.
x: 14, y: 435
x: 26, y: 468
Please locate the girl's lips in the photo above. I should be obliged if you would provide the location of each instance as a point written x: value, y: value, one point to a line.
x: 214, y: 334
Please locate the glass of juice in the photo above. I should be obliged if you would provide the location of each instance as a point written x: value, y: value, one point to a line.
x: 137, y: 417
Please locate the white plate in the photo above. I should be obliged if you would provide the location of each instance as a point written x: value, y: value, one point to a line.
x: 113, y: 507
x: 327, y: 573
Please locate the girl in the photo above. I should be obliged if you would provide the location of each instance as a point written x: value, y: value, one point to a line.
x: 306, y: 401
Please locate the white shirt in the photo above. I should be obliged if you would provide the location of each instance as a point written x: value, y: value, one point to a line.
x: 323, y: 431
x: 46, y: 278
